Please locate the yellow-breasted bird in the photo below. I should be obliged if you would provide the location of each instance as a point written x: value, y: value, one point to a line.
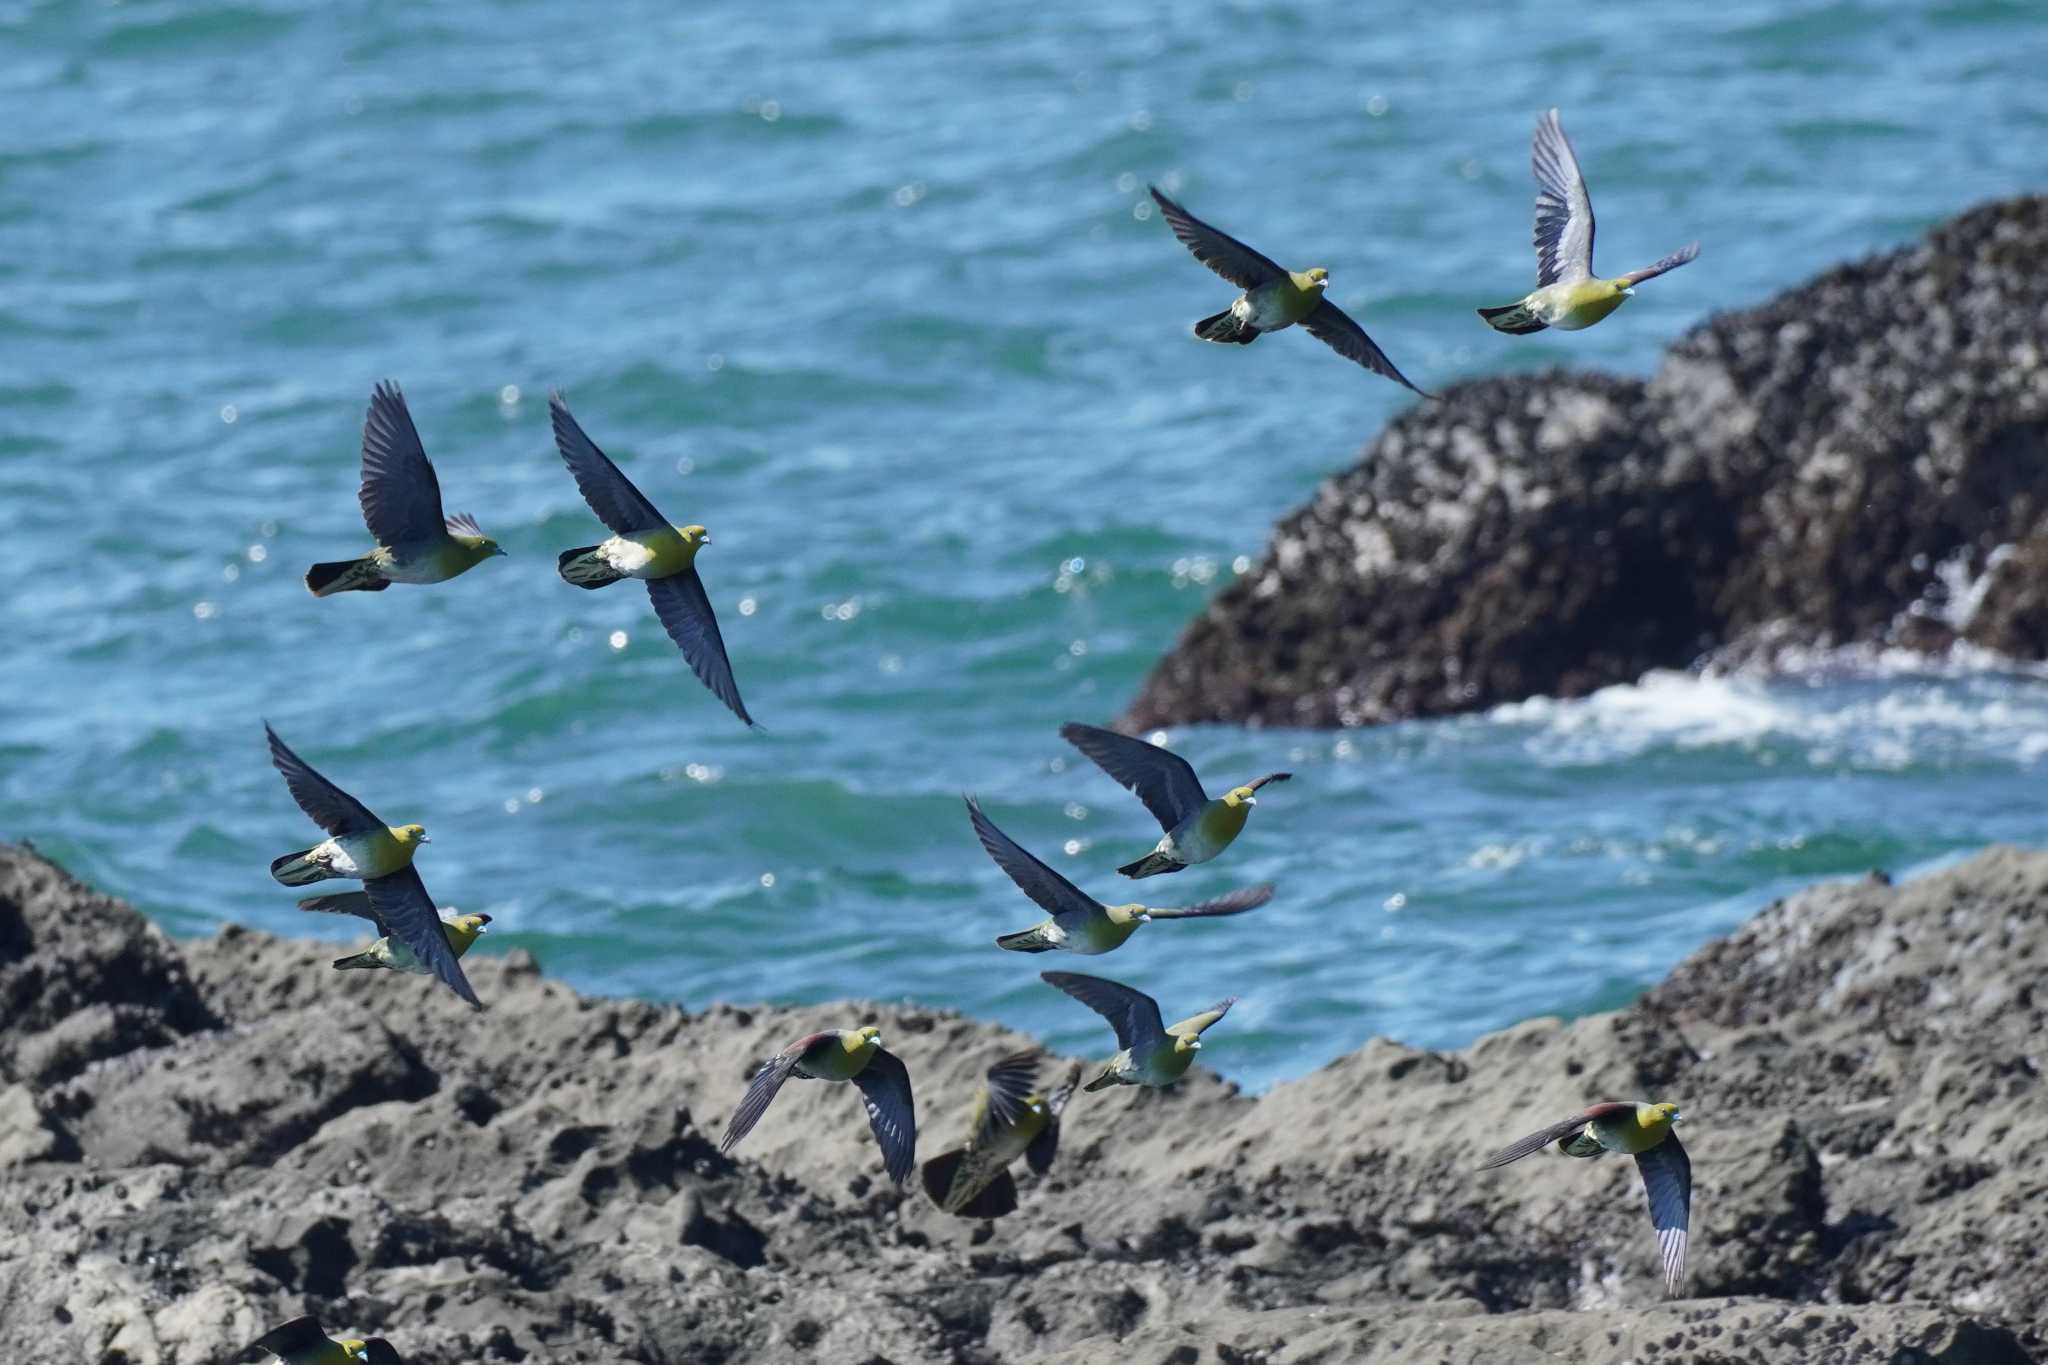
x: 1152, y: 1054
x: 645, y: 546
x: 389, y: 952
x: 1648, y: 1132
x: 401, y: 500
x: 1568, y: 296
x: 301, y: 1342
x: 845, y: 1054
x: 1080, y: 923
x: 1273, y: 298
x: 363, y: 846
x: 1197, y: 829
x: 1011, y: 1118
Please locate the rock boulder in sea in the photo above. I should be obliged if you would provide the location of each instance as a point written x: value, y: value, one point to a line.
x: 1861, y: 461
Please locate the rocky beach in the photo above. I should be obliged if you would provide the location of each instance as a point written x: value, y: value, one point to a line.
x: 200, y: 1139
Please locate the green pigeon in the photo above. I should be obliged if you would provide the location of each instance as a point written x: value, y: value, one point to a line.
x: 1568, y: 295
x: 1080, y: 923
x: 1197, y: 829
x: 645, y: 546
x: 845, y: 1054
x: 1648, y: 1132
x: 1273, y: 298
x: 1011, y: 1118
x: 401, y: 500
x: 301, y: 1342
x: 364, y: 847
x: 1152, y: 1053
x: 388, y: 952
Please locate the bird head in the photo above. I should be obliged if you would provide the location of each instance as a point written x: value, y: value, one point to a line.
x: 463, y: 530
x: 409, y: 835
x: 474, y: 923
x: 694, y: 535
x: 1183, y: 1043
x: 1655, y: 1114
x: 1240, y: 796
x: 868, y: 1034
x: 1128, y: 914
x: 1318, y: 278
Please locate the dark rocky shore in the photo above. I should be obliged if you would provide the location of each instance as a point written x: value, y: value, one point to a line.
x: 200, y: 1139
x: 1826, y: 470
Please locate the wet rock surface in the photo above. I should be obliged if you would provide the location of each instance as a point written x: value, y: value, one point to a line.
x: 1862, y: 461
x: 253, y: 1136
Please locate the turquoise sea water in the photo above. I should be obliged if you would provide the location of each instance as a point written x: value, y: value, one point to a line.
x: 873, y: 292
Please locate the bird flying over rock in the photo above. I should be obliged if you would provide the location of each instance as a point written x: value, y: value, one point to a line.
x: 389, y: 952
x: 1012, y: 1117
x: 1197, y: 829
x: 854, y: 1055
x: 301, y: 1342
x: 1152, y: 1054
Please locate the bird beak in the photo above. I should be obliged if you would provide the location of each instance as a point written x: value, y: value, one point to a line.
x: 1144, y: 919
x: 1196, y: 1045
x: 704, y: 539
x: 1251, y: 800
x: 498, y: 549
x: 426, y: 839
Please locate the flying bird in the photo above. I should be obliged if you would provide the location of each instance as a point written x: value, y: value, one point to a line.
x: 1152, y: 1054
x: 388, y: 952
x: 644, y: 545
x: 1080, y: 923
x: 844, y: 1054
x: 301, y: 1342
x: 416, y: 542
x: 1273, y: 298
x: 1197, y: 829
x: 362, y: 846
x: 1011, y: 1118
x: 1568, y: 296
x: 1649, y: 1132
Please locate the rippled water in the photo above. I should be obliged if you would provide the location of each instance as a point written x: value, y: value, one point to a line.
x: 873, y: 292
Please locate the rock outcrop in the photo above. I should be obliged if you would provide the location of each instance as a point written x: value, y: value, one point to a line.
x: 198, y: 1140
x: 1862, y: 461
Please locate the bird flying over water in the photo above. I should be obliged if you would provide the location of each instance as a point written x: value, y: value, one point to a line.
x: 1649, y: 1132
x: 362, y: 846
x: 1011, y: 1118
x: 1080, y: 923
x: 416, y: 542
x: 1152, y: 1053
x: 1197, y: 829
x: 842, y: 1054
x: 301, y: 1342
x: 1273, y: 298
x: 389, y: 952
x: 1568, y: 295
x: 644, y: 545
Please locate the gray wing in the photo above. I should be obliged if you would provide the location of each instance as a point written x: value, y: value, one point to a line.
x: 1667, y: 1179
x: 1164, y: 781
x: 760, y: 1093
x: 885, y: 1088
x: 1556, y: 1132
x: 401, y: 497
x: 355, y: 903
x: 401, y: 900
x: 1133, y: 1014
x: 1232, y: 903
x: 331, y: 808
x: 1564, y: 215
x: 1009, y: 1082
x: 1053, y: 893
x: 618, y: 504
x: 1220, y: 251
x: 1671, y: 262
x: 1335, y: 328
x: 685, y: 612
x: 1194, y: 1024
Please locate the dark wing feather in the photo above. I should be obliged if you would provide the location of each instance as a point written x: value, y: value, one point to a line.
x: 1010, y: 1083
x: 685, y: 612
x: 402, y: 902
x: 355, y: 903
x: 1671, y: 262
x: 885, y: 1088
x: 1220, y: 251
x: 760, y: 1093
x: 1536, y: 1141
x: 1053, y: 893
x: 401, y: 497
x: 331, y: 808
x: 1667, y: 1179
x: 618, y: 504
x: 1046, y: 1145
x: 1564, y: 212
x: 1335, y: 328
x: 1163, y: 780
x: 377, y: 1351
x: 1233, y: 903
x: 1133, y: 1014
x: 300, y: 1334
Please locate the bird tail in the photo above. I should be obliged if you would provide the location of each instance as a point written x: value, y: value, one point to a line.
x: 1151, y: 865
x: 1227, y: 327
x: 993, y: 1200
x: 1024, y: 941
x: 356, y: 960
x: 1516, y: 319
x: 345, y: 575
x: 299, y: 869
x: 583, y: 568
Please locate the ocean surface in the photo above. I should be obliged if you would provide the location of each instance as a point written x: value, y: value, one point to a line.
x: 875, y: 293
